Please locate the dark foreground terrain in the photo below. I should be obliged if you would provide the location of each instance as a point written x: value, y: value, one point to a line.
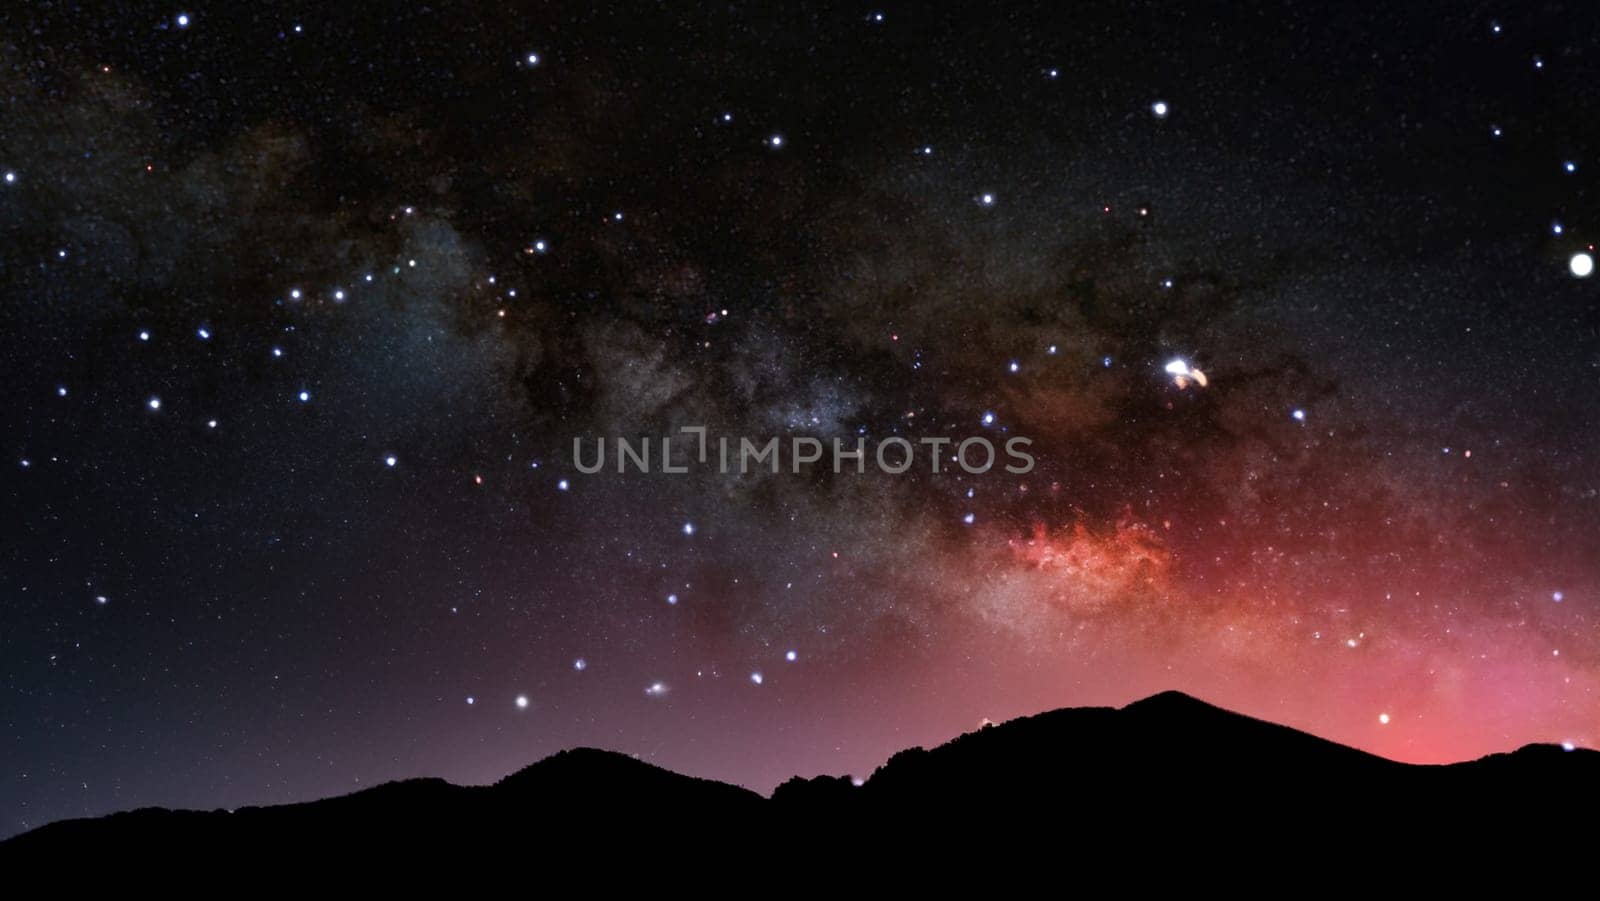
x: 1162, y: 777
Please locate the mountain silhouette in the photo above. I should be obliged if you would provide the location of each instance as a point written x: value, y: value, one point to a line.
x: 1168, y: 773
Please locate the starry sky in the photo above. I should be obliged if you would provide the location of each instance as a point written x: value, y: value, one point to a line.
x: 304, y: 306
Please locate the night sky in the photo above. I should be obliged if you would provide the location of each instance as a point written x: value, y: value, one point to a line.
x: 303, y: 308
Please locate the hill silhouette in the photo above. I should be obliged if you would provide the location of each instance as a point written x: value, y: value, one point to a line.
x: 1167, y: 772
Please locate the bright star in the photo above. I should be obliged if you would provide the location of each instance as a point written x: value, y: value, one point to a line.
x: 211, y: 423
x: 522, y: 702
x: 533, y: 59
x: 11, y: 178
x: 1383, y: 718
x: 1159, y: 108
x: 988, y: 418
x: 183, y: 20
x: 1569, y: 167
x: 775, y: 140
x: 563, y: 485
x: 986, y: 199
x: 153, y: 403
x: 390, y: 461
x: 672, y: 600
x: 304, y: 396
x: 1299, y: 415
x: 204, y: 333
x: 756, y: 678
x: 580, y: 664
x: 1184, y: 375
x: 970, y: 518
x: 791, y: 656
x: 1581, y: 264
x: 656, y: 689
x: 144, y: 336
x: 688, y: 528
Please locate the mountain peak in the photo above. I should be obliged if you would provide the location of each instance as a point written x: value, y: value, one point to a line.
x: 1172, y: 699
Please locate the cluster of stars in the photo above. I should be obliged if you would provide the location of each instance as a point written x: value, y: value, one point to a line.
x: 1581, y: 263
